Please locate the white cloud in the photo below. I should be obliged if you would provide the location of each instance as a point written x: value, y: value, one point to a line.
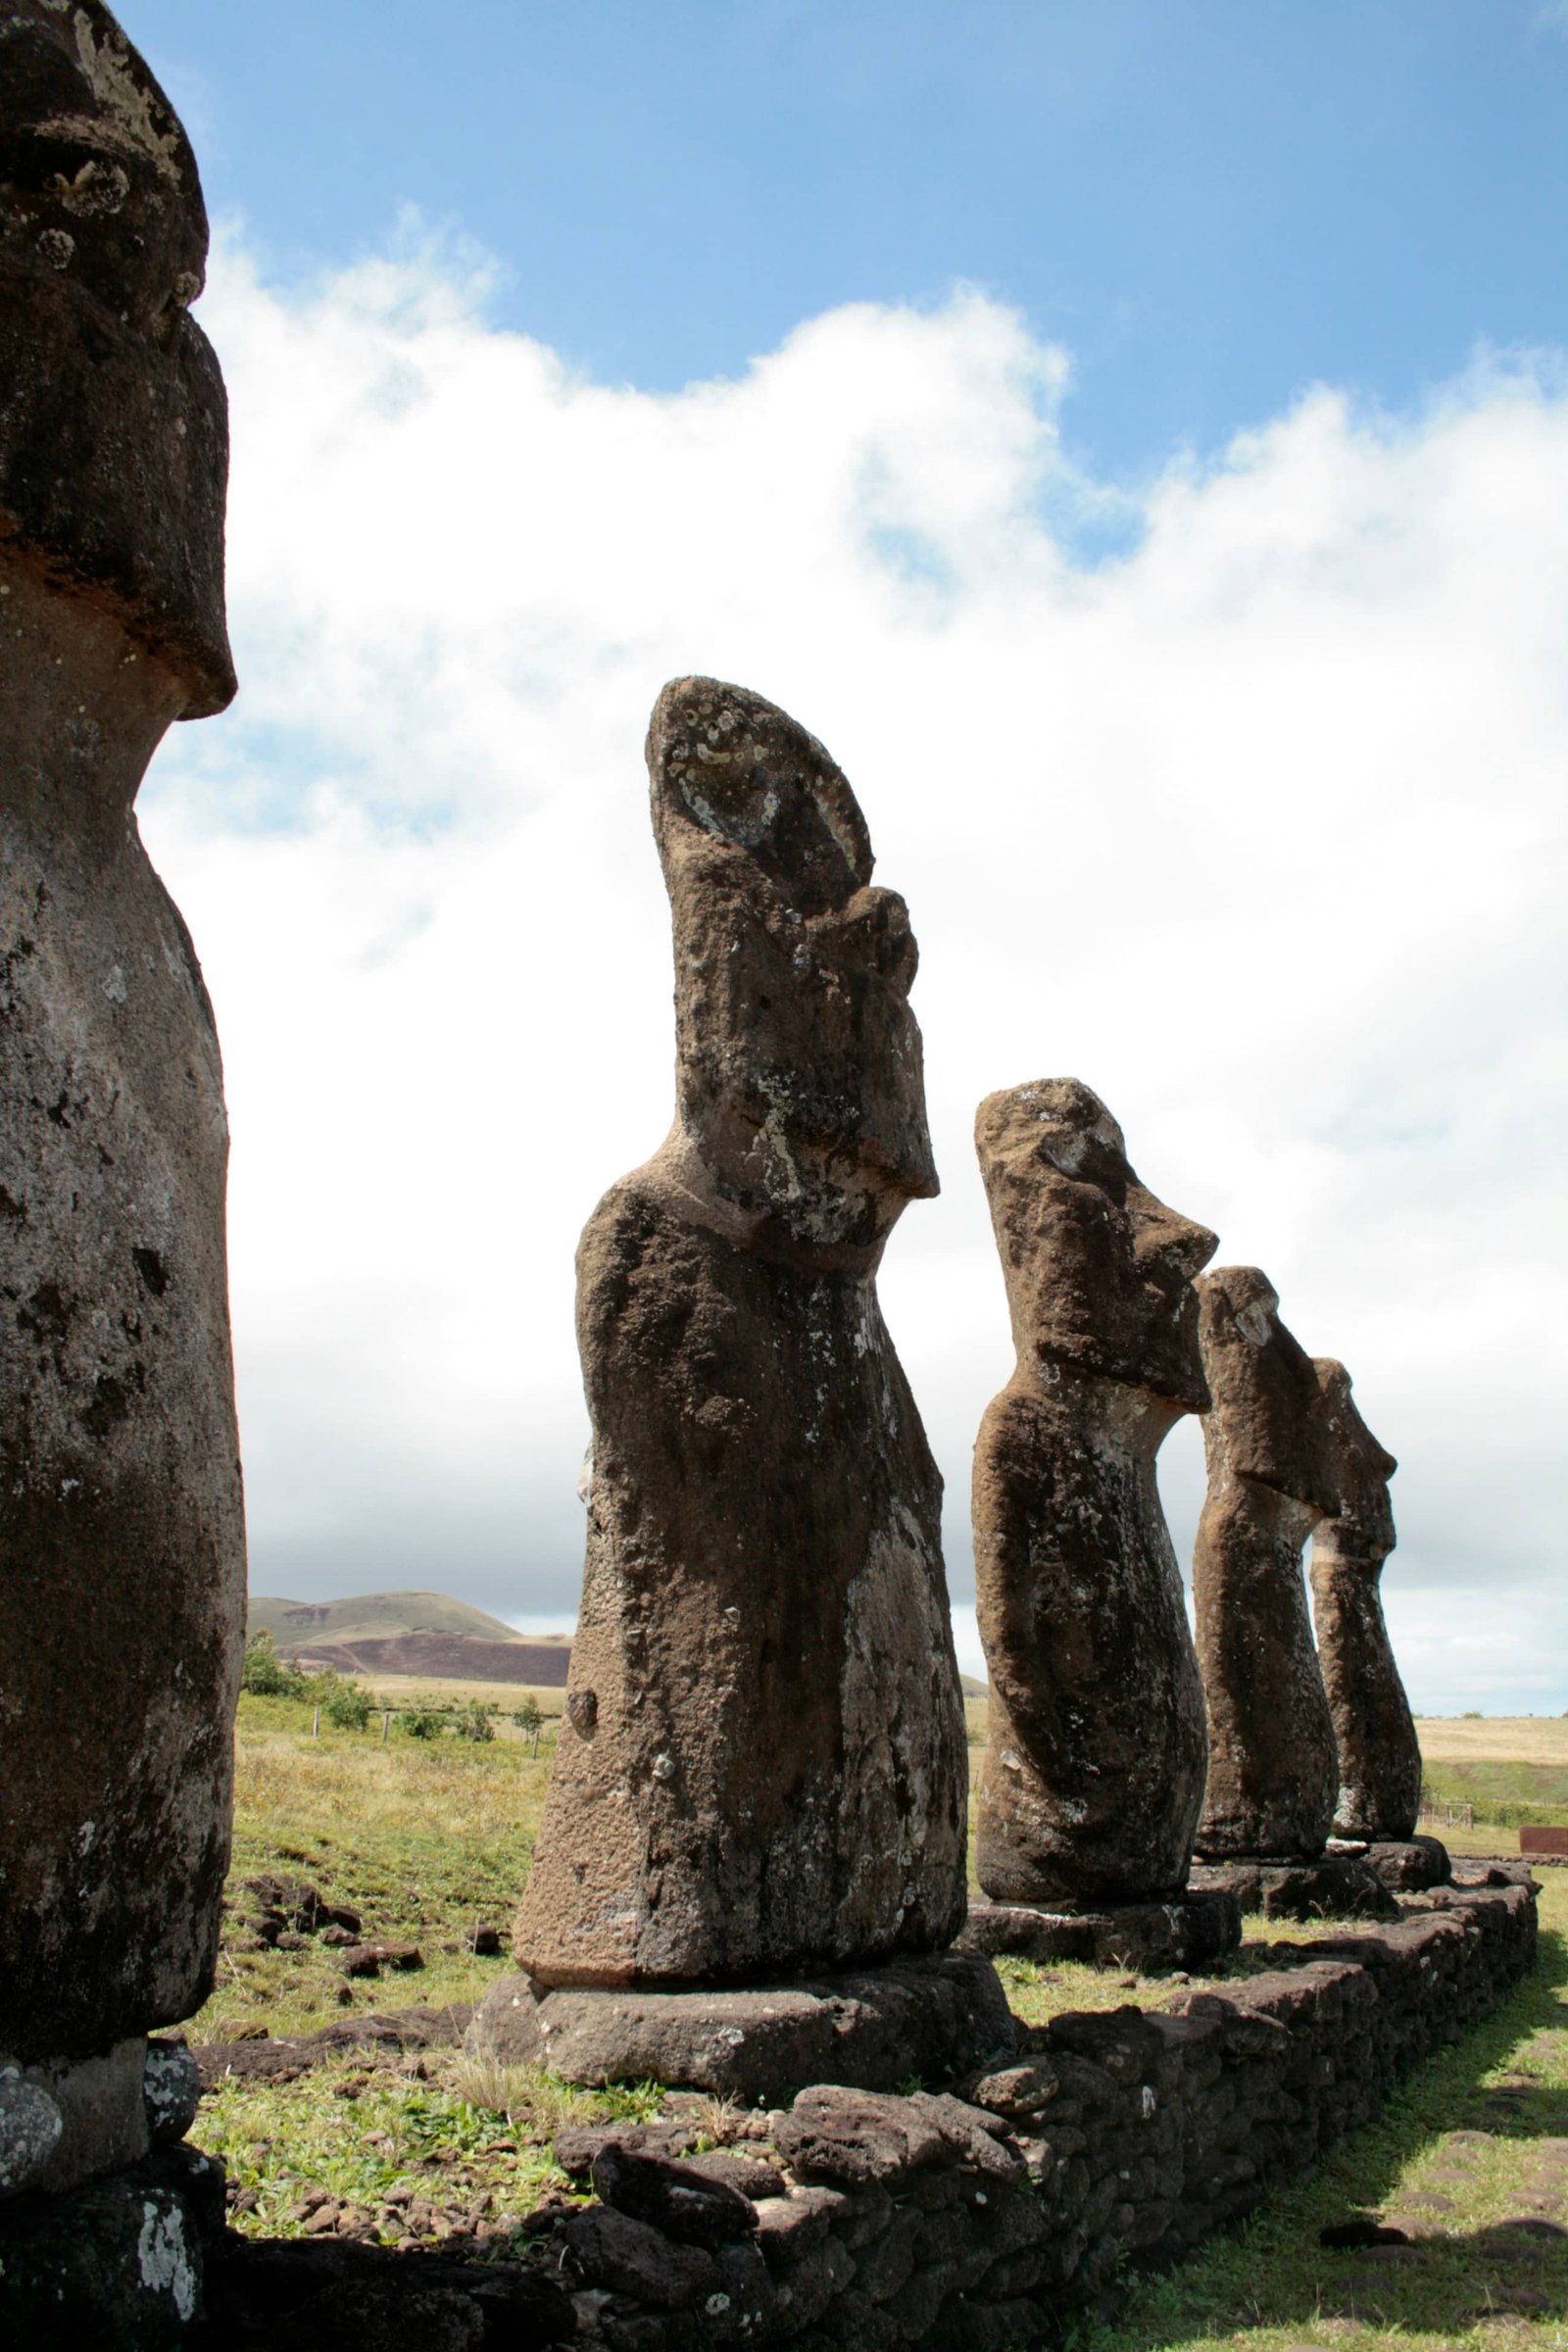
x: 1255, y: 828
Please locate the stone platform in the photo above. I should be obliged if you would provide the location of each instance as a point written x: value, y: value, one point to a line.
x: 872, y: 2029
x: 1191, y: 1931
x: 1291, y: 1887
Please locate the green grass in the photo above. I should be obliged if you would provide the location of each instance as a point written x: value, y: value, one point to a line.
x: 1504, y: 1793
x: 426, y: 1839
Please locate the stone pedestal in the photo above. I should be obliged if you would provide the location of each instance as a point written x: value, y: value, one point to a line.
x: 935, y: 2018
x: 1405, y: 1865
x: 1191, y: 1931
x: 1285, y: 1886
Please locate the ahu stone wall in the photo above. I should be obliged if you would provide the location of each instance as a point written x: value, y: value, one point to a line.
x: 961, y: 2224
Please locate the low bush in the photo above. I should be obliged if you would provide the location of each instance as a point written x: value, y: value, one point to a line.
x: 264, y: 1675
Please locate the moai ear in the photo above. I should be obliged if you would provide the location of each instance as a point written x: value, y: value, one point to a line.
x: 726, y: 764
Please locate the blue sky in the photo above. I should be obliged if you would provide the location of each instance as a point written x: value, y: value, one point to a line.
x: 1135, y: 439
x: 1213, y: 204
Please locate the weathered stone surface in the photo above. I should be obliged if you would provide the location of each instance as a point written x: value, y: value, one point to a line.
x: 103, y: 2109
x: 750, y: 2175
x: 172, y: 2090
x: 854, y: 2139
x: 1094, y: 1767
x: 122, y: 1556
x: 1273, y: 1769
x: 763, y: 1766
x: 115, y: 2265
x: 632, y: 2258
x: 1191, y: 1930
x: 1380, y: 1756
x: 1409, y: 1865
x: 670, y: 2196
x: 114, y: 430
x: 930, y: 2017
x: 30, y: 2125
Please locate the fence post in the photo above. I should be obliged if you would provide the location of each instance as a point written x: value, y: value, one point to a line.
x: 315, y: 1726
x: 386, y: 1718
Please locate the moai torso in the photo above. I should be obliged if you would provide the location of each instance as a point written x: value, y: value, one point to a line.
x: 762, y: 1764
x: 1095, y: 1754
x: 1380, y: 1755
x: 121, y: 1548
x: 1272, y: 1767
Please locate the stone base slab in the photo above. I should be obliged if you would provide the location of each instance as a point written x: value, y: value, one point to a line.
x: 1191, y: 1930
x: 870, y: 2029
x: 1329, y: 1886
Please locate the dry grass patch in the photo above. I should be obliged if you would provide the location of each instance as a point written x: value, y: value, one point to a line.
x: 1494, y: 1739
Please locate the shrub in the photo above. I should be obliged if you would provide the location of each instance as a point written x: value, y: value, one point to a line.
x: 426, y: 1719
x: 344, y: 1702
x: 476, y: 1719
x: 265, y: 1674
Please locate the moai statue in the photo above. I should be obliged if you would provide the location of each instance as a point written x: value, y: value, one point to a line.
x: 1379, y: 1757
x: 1273, y: 1771
x: 1096, y: 1748
x: 122, y: 1545
x: 762, y: 1767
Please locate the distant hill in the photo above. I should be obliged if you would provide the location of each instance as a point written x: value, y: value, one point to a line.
x: 444, y: 1657
x: 972, y: 1689
x: 372, y: 1616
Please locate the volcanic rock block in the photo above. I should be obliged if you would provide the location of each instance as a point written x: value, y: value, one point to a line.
x: 1094, y: 1769
x: 122, y: 1546
x: 1273, y: 1771
x: 1380, y: 1756
x: 763, y: 1765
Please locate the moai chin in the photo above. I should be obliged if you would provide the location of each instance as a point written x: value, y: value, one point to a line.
x: 1095, y: 1756
x: 762, y: 1764
x: 122, y: 1549
x: 1273, y: 1773
x: 1380, y: 1755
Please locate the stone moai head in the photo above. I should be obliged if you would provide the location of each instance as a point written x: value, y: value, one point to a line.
x: 798, y: 1063
x: 1267, y: 1420
x: 113, y: 436
x: 1099, y: 1271
x: 1363, y: 1524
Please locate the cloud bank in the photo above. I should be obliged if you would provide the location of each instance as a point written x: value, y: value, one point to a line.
x: 1253, y: 822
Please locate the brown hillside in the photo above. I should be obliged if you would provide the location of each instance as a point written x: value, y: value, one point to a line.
x: 371, y: 1616
x: 453, y: 1656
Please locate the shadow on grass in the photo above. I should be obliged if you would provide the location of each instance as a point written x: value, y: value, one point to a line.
x: 1489, y: 2237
